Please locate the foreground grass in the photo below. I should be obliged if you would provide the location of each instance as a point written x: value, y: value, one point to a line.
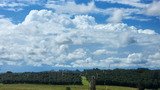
x: 57, y: 87
x: 84, y: 81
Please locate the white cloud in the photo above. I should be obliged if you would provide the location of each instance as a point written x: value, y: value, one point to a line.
x: 136, y: 58
x: 103, y: 51
x: 84, y: 63
x: 116, y: 16
x: 137, y: 18
x: 62, y: 39
x: 84, y: 21
x: 44, y: 39
x: 5, y: 24
x: 134, y: 3
x: 11, y: 4
x: 77, y: 54
x: 153, y: 9
x: 147, y: 31
x: 99, y: 52
x: 17, y: 5
x: 154, y: 60
x: 1, y: 16
x: 150, y: 9
x: 70, y: 7
x: 155, y: 57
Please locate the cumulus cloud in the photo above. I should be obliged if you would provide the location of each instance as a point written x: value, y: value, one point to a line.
x: 154, y: 60
x: 150, y: 9
x: 17, y: 5
x: 99, y: 52
x: 48, y: 38
x: 78, y: 53
x: 116, y: 16
x: 136, y: 58
x: 70, y: 7
x: 103, y: 51
x: 5, y: 23
x: 147, y: 31
x: 153, y: 9
x: 88, y: 62
x: 155, y: 56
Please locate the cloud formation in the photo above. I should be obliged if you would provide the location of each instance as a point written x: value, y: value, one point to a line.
x: 116, y: 16
x: 70, y: 7
x: 134, y: 3
x: 17, y: 5
x: 48, y: 38
x: 137, y: 7
x: 153, y: 9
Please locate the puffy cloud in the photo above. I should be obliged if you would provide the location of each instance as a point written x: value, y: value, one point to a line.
x: 83, y: 21
x: 17, y: 5
x: 77, y: 54
x: 88, y: 62
x: 62, y: 39
x: 136, y: 58
x: 147, y: 31
x: 116, y: 17
x: 47, y: 38
x: 99, y: 52
x: 153, y: 9
x: 138, y: 8
x: 103, y: 51
x: 6, y: 24
x: 155, y: 57
x: 70, y: 7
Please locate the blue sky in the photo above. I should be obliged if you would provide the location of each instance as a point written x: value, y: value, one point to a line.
x: 67, y: 34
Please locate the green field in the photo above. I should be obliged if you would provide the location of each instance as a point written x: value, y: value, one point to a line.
x: 57, y: 87
x: 85, y: 81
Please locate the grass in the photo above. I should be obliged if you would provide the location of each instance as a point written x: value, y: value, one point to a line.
x: 61, y: 87
x: 85, y: 81
x: 57, y: 87
x: 114, y: 88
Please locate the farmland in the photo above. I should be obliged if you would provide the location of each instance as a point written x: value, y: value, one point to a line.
x: 79, y: 80
x: 57, y: 87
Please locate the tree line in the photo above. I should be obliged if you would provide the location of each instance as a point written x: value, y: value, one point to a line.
x: 120, y: 77
x: 50, y: 77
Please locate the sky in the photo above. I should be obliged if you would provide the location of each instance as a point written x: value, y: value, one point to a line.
x: 40, y: 35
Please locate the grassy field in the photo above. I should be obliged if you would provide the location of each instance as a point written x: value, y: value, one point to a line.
x: 85, y: 81
x: 57, y: 87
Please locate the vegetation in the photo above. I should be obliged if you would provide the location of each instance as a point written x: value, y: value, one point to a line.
x: 85, y: 81
x: 57, y: 87
x: 121, y: 77
x: 142, y: 78
x: 52, y: 77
